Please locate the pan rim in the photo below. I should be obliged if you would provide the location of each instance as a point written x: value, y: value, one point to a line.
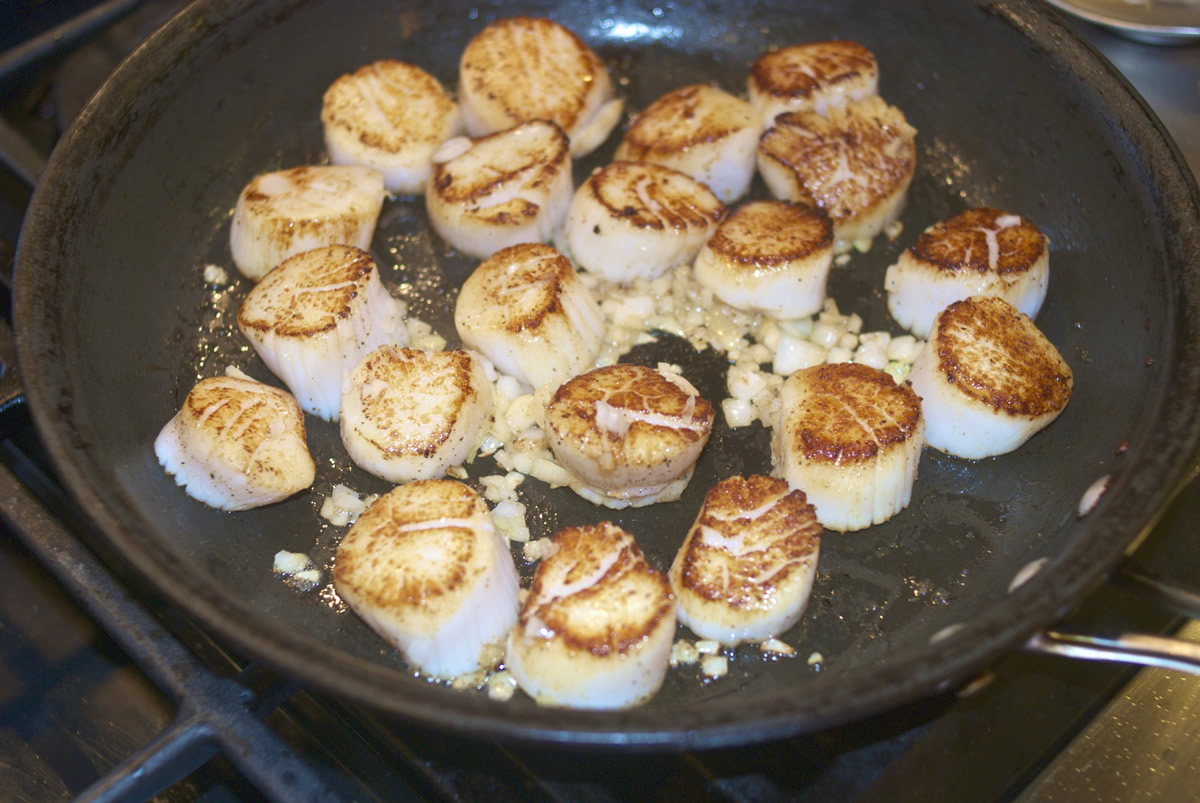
x: 1035, y: 605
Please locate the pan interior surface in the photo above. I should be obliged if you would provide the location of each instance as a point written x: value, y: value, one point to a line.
x: 115, y: 323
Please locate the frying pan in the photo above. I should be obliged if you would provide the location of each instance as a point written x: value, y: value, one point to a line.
x: 115, y: 323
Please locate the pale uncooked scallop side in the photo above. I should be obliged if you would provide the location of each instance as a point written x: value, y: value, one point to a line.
x: 287, y: 212
x: 769, y: 256
x: 502, y: 189
x: 595, y: 630
x: 629, y: 432
x: 408, y: 414
x: 989, y: 379
x: 699, y: 130
x: 850, y: 438
x: 391, y: 116
x: 425, y: 568
x: 981, y: 251
x: 746, y: 568
x: 237, y: 444
x: 634, y: 220
x: 526, y: 310
x: 530, y: 68
x: 812, y: 77
x: 315, y: 316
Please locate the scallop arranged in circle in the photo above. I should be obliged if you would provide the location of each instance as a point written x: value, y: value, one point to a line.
x: 526, y: 68
x: 314, y: 317
x: 746, y: 569
x: 409, y: 414
x: 855, y: 164
x: 237, y: 444
x: 426, y: 569
x: 502, y: 189
x: 526, y: 309
x: 978, y: 252
x: 634, y: 220
x: 812, y: 77
x: 769, y: 256
x: 850, y: 438
x: 700, y: 130
x: 596, y: 629
x: 391, y: 116
x: 629, y: 432
x: 989, y: 379
x: 287, y: 212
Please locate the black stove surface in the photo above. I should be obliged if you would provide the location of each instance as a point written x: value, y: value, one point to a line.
x: 74, y: 704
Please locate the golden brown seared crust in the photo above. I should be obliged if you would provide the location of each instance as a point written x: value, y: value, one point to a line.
x: 961, y: 243
x: 996, y: 355
x: 678, y: 418
x: 438, y: 514
x: 499, y: 61
x: 681, y: 119
x: 848, y: 162
x: 679, y: 202
x: 611, y: 615
x: 850, y: 412
x: 384, y: 89
x: 773, y: 544
x: 531, y: 160
x: 764, y: 234
x: 243, y: 415
x: 259, y: 204
x: 537, y: 271
x: 406, y: 425
x: 800, y: 70
x: 309, y: 293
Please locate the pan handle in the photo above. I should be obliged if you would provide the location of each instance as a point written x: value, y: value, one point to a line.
x: 1128, y: 648
x: 1142, y: 649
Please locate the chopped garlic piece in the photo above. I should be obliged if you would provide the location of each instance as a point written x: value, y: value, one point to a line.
x: 684, y: 652
x: 291, y: 562
x: 714, y: 666
x: 539, y: 549
x: 501, y: 686
x: 215, y: 274
x: 776, y: 646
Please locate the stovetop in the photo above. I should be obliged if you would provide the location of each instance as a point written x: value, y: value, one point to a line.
x: 76, y: 702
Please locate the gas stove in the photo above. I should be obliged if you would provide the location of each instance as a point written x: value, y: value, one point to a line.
x: 107, y: 693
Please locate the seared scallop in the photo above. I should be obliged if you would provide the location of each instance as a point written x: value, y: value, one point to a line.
x: 699, y: 130
x: 629, y: 432
x: 287, y: 212
x: 746, y: 568
x: 850, y: 438
x: 392, y: 116
x: 503, y: 189
x: 411, y: 415
x: 596, y: 629
x: 314, y: 317
x: 529, y: 68
x: 527, y: 311
x: 812, y: 77
x: 979, y: 252
x: 855, y: 164
x: 237, y: 444
x: 988, y: 380
x: 426, y: 569
x: 634, y: 220
x: 769, y: 256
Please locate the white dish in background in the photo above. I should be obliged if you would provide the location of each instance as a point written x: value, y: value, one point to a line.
x: 1156, y: 22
